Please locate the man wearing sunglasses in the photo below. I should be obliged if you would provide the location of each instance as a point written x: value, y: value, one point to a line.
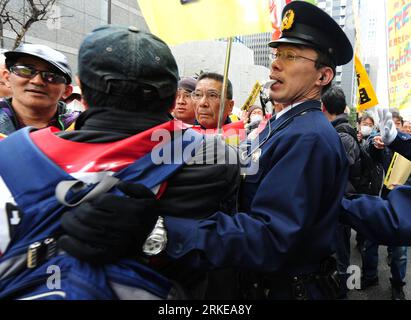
x: 38, y: 78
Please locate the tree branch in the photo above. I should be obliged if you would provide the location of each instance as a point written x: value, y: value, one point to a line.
x: 33, y: 12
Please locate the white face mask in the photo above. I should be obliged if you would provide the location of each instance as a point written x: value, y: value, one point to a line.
x: 366, y: 131
x: 256, y: 118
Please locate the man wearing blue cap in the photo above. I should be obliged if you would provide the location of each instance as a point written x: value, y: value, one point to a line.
x: 284, y: 230
x: 129, y: 82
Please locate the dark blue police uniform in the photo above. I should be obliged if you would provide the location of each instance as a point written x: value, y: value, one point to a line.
x: 290, y: 207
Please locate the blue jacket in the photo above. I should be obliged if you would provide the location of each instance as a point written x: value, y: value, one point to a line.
x: 384, y: 221
x: 402, y: 144
x: 289, y: 208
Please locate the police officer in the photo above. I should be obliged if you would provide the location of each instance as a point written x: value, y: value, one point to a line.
x: 38, y: 77
x: 284, y: 231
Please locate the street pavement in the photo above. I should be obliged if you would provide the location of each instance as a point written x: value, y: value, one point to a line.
x: 383, y: 290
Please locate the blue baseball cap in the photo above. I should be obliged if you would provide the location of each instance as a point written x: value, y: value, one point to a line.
x: 123, y: 60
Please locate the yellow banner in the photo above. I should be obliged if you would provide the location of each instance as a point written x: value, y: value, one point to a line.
x: 399, y: 52
x: 252, y: 97
x: 366, y: 96
x: 177, y: 21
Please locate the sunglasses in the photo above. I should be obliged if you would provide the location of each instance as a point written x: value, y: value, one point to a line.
x: 30, y: 73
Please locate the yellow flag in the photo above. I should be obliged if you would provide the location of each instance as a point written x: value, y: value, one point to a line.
x: 252, y: 97
x: 177, y: 21
x: 365, y: 93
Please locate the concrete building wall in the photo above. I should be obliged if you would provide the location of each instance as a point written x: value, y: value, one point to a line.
x: 209, y: 56
x: 78, y: 17
x: 342, y: 13
x: 259, y: 44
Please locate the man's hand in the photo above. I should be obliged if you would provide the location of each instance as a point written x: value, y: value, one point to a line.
x: 378, y: 143
x: 387, y: 126
x: 110, y: 227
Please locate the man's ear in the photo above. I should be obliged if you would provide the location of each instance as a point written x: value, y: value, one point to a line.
x: 6, y: 77
x: 229, y: 106
x: 67, y: 92
x: 325, y: 76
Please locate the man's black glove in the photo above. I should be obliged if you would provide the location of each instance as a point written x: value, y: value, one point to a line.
x: 110, y: 227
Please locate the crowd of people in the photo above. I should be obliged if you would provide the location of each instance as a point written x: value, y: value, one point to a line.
x: 199, y: 225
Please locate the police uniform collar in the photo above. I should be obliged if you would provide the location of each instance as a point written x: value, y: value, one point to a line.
x: 286, y: 109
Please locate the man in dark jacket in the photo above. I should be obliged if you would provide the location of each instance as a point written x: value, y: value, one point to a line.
x: 290, y: 206
x: 128, y: 103
x: 126, y: 96
x: 333, y: 106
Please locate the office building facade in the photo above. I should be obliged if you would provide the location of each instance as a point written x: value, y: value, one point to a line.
x: 73, y: 19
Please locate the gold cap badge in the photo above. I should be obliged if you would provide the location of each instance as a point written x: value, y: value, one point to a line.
x: 288, y: 20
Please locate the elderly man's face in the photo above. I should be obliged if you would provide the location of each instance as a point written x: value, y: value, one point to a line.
x: 36, y: 92
x: 207, y: 103
x: 295, y: 73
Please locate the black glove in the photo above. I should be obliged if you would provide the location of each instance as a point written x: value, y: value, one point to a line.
x: 110, y: 227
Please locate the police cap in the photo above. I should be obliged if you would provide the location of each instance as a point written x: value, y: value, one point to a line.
x: 306, y: 24
x: 123, y: 60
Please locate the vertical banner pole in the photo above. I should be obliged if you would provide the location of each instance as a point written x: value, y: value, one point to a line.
x: 225, y: 85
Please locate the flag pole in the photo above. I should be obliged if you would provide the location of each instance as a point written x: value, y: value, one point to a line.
x: 225, y: 85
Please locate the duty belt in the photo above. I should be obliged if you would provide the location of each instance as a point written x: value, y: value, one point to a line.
x: 326, y: 279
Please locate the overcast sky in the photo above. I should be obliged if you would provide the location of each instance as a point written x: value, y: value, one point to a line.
x: 382, y: 88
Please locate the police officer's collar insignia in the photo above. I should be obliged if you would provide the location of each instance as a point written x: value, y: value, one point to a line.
x: 288, y: 20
